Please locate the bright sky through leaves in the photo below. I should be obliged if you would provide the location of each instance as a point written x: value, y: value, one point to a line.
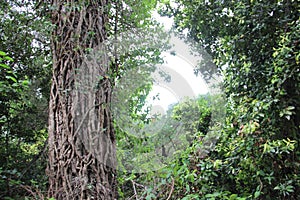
x: 182, y: 67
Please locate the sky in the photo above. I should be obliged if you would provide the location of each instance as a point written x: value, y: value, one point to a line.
x: 183, y: 80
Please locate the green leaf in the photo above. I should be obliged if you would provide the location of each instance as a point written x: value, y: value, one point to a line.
x: 25, y: 82
x: 256, y: 194
x: 4, y: 66
x: 2, y: 53
x: 8, y: 58
x: 290, y: 108
x: 187, y: 187
x: 233, y: 196
x: 12, y: 78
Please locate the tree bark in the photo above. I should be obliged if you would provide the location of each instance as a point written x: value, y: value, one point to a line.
x: 82, y: 154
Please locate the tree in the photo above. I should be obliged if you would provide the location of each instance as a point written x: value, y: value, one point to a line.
x: 82, y: 160
x: 24, y: 109
x: 258, y: 42
x: 77, y: 168
x: 24, y: 88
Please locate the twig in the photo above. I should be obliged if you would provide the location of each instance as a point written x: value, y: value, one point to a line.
x: 35, y: 193
x: 172, y: 189
x: 134, y: 189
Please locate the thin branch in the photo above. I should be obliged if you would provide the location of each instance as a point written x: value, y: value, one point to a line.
x: 172, y: 189
x: 36, y: 194
x: 134, y: 189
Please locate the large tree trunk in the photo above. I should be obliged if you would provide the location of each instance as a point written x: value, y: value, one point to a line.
x: 82, y: 157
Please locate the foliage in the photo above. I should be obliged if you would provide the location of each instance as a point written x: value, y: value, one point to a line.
x: 18, y: 143
x: 194, y: 117
x: 24, y: 86
x: 194, y: 114
x: 257, y: 155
